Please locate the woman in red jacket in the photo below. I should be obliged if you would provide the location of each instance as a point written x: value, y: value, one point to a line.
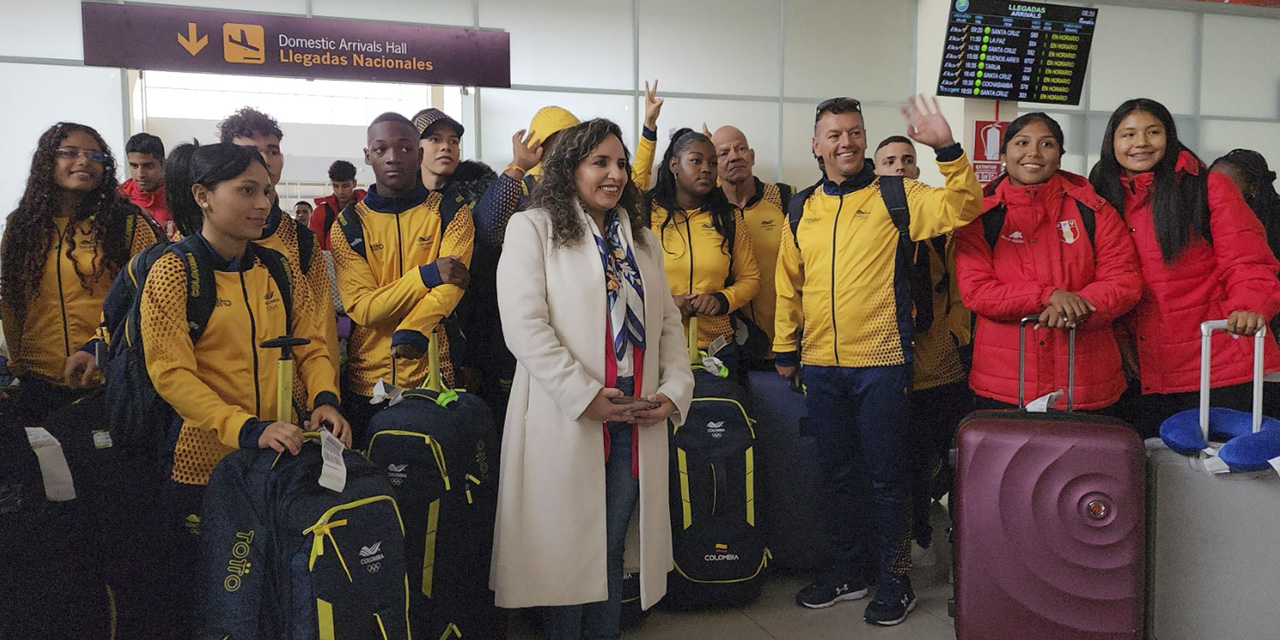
x: 1047, y: 245
x: 1203, y: 255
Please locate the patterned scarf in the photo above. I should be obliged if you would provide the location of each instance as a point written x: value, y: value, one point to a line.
x: 623, y: 287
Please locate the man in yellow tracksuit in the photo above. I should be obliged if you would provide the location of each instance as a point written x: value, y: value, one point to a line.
x: 401, y: 256
x: 764, y: 208
x: 940, y: 394
x: 843, y: 277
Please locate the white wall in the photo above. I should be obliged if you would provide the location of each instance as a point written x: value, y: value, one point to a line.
x: 760, y: 64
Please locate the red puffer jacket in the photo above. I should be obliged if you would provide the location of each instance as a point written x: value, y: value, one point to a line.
x: 1043, y: 246
x: 1207, y: 282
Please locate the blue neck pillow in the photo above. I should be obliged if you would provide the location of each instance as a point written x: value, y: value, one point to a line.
x: 1244, y: 450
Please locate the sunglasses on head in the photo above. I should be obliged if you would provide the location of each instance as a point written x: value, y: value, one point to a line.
x: 71, y: 153
x: 841, y: 104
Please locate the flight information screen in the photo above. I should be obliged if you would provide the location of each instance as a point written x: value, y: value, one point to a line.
x: 1024, y: 51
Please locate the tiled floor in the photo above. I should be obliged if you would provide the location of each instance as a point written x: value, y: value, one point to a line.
x: 775, y: 615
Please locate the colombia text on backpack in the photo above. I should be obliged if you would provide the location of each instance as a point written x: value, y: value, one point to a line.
x: 717, y: 539
x: 288, y: 559
x: 438, y: 448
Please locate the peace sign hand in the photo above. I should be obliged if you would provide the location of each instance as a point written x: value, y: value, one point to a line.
x: 925, y: 123
x: 652, y: 105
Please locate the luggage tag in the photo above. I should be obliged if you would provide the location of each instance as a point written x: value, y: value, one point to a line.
x: 1042, y: 404
x: 716, y: 345
x: 333, y: 475
x: 714, y: 365
x: 58, y: 485
x: 389, y: 393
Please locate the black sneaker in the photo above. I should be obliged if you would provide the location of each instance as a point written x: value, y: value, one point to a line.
x: 894, y: 600
x: 822, y: 594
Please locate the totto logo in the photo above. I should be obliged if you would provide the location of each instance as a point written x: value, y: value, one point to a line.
x: 238, y: 564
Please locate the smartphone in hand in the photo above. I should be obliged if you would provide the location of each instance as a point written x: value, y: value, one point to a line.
x: 640, y: 403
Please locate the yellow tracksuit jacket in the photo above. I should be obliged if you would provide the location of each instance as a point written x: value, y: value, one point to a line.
x: 937, y: 356
x: 697, y: 261
x: 224, y: 386
x: 838, y: 277
x: 62, y: 315
x: 765, y: 219
x: 314, y: 292
x: 393, y: 292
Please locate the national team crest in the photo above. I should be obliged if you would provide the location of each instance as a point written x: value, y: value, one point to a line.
x: 1069, y: 231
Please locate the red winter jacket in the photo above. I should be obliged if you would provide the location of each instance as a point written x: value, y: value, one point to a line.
x: 325, y: 214
x: 1207, y: 282
x: 1043, y: 246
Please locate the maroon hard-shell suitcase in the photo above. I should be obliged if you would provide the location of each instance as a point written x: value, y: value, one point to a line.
x: 1049, y: 523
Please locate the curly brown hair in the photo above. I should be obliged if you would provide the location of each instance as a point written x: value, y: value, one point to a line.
x: 29, y: 231
x: 558, y: 190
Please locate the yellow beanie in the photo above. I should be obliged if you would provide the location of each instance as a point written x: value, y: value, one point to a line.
x: 550, y: 120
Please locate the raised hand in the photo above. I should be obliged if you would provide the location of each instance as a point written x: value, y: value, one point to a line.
x: 652, y: 105
x: 925, y: 123
x: 526, y: 152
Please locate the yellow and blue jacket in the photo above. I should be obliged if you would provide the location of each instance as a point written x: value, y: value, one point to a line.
x: 842, y: 279
x: 223, y: 386
x: 65, y: 313
x: 384, y: 252
x: 700, y: 260
x: 937, y: 348
x: 766, y: 215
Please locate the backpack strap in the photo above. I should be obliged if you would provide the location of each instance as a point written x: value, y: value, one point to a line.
x: 894, y: 194
x: 1089, y: 219
x: 307, y: 242
x: 795, y: 210
x: 352, y: 230
x: 992, y: 224
x: 913, y: 256
x: 202, y: 289
x: 278, y: 267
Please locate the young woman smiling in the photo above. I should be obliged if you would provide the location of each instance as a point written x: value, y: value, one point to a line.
x: 602, y: 365
x: 221, y: 382
x: 711, y: 267
x: 1048, y: 245
x: 1203, y: 255
x: 64, y: 244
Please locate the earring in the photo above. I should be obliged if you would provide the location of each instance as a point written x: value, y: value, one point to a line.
x: 204, y: 205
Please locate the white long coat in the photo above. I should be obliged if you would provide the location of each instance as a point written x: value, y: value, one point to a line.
x: 549, y: 546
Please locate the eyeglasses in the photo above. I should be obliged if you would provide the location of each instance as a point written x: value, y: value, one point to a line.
x: 71, y: 153
x: 838, y: 105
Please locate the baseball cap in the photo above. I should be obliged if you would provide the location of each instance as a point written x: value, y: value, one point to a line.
x: 428, y: 118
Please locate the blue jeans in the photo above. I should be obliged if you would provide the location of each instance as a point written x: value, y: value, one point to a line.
x: 858, y: 417
x: 599, y: 620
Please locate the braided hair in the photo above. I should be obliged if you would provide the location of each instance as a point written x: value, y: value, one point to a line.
x: 30, y: 231
x: 663, y: 193
x: 1261, y: 195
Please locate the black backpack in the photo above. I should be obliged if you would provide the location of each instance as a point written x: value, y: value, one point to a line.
x: 718, y: 539
x: 287, y: 558
x: 138, y: 419
x: 439, y: 450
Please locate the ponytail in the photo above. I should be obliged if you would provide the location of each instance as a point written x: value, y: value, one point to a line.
x: 206, y: 165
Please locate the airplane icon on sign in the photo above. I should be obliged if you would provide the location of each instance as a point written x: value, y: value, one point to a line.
x: 243, y: 43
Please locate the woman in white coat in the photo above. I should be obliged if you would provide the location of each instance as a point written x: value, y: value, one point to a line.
x: 601, y: 367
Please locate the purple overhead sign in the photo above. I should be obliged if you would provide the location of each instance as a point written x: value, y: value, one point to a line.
x: 181, y: 39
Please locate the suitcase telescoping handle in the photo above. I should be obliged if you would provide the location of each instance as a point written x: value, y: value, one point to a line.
x: 1206, y: 347
x: 1022, y: 363
x: 284, y: 373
